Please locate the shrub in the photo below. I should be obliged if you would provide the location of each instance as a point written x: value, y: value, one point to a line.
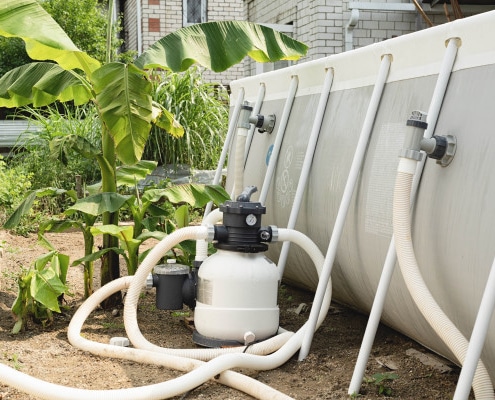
x: 15, y: 184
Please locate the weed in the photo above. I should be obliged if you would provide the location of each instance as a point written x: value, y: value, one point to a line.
x: 112, y: 325
x: 381, y: 380
x: 180, y: 314
x: 16, y: 363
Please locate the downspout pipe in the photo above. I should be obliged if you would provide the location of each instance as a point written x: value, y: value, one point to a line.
x: 391, y: 258
x: 349, y: 29
x: 352, y: 178
x: 406, y: 256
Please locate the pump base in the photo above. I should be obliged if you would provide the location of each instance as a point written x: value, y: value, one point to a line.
x: 213, y: 343
x: 205, y: 341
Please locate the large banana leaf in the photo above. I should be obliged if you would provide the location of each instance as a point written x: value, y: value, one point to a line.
x: 40, y: 84
x: 98, y: 204
x: 220, y: 45
x: 44, y: 38
x: 123, y: 97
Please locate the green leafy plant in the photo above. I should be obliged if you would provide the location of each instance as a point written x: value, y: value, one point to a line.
x: 15, y: 183
x: 40, y: 289
x: 146, y: 211
x: 381, y: 380
x: 49, y: 154
x: 121, y: 92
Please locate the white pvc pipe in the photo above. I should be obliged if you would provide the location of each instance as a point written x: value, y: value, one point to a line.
x: 420, y: 293
x: 256, y: 111
x: 284, y: 119
x: 226, y: 146
x: 202, y: 245
x: 373, y: 320
x: 345, y: 202
x: 391, y: 258
x: 306, y: 167
x: 478, y: 337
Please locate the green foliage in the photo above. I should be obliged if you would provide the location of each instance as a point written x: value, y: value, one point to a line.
x: 40, y: 289
x: 151, y: 220
x: 15, y: 182
x: 201, y: 108
x: 382, y: 380
x: 122, y: 93
x: 12, y: 54
x: 53, y: 155
x: 84, y: 21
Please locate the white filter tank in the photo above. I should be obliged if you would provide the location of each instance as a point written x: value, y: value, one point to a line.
x: 237, y: 298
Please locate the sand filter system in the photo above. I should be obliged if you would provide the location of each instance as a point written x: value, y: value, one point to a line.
x: 365, y: 176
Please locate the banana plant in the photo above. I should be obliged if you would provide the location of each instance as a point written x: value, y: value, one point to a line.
x: 122, y: 92
x: 145, y: 211
x: 40, y: 288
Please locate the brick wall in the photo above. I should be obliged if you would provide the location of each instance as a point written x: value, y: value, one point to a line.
x: 153, y: 21
x: 321, y: 23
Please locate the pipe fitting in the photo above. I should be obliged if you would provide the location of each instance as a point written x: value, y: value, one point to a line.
x: 244, y: 115
x: 440, y: 148
x: 412, y: 143
x: 445, y: 149
x: 263, y: 123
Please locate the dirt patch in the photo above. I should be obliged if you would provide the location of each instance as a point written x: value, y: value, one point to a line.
x: 325, y: 374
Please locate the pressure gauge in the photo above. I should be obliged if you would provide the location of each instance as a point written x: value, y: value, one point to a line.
x: 251, y: 219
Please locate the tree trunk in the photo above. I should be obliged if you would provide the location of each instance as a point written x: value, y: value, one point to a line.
x: 110, y: 268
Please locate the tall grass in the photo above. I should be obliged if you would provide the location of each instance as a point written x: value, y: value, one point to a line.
x: 37, y: 154
x: 202, y: 109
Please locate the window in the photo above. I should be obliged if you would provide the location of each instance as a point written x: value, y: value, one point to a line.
x: 194, y: 12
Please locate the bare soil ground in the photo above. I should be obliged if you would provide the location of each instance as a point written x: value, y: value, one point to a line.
x: 325, y: 374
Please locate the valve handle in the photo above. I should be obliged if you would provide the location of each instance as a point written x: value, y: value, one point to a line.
x: 245, y: 196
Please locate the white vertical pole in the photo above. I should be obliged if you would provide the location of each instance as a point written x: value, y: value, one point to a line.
x: 477, y: 340
x: 279, y: 138
x: 306, y: 167
x: 356, y: 165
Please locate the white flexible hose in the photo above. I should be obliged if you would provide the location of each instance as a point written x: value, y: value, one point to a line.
x: 420, y: 293
x: 158, y: 391
x: 240, y: 147
x: 200, y: 372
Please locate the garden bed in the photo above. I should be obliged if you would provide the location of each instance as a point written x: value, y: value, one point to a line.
x: 325, y: 374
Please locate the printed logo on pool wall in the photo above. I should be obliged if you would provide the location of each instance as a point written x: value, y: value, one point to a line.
x: 285, y: 187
